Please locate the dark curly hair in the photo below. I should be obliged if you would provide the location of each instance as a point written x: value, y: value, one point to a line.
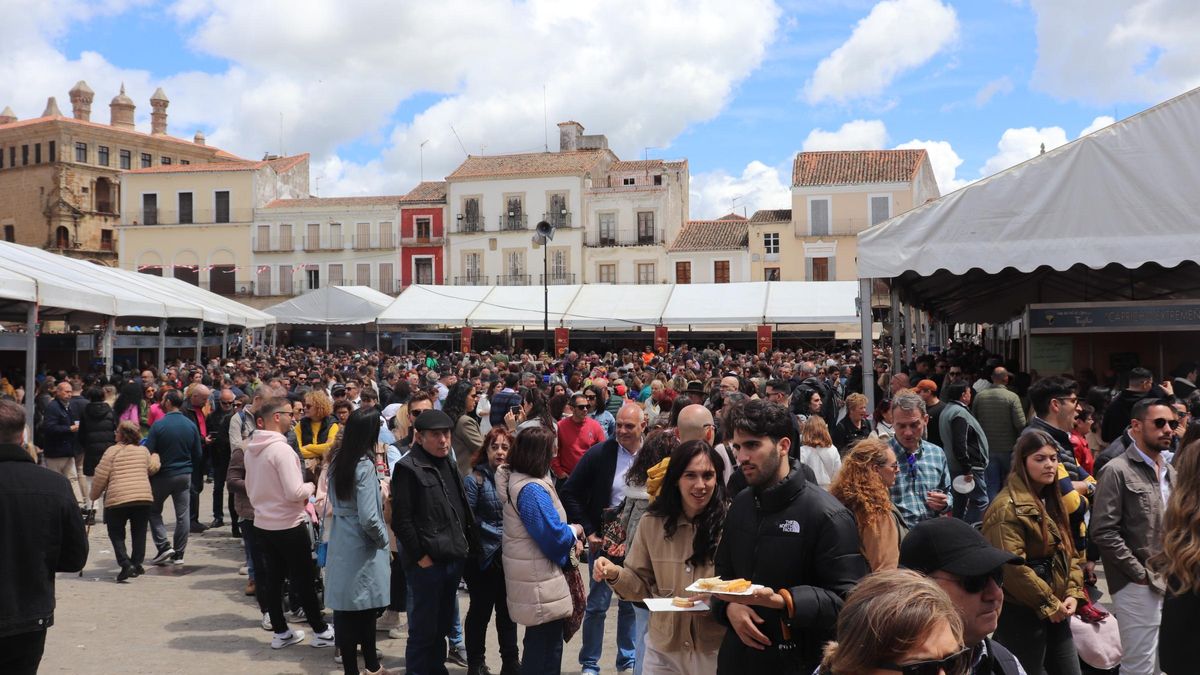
x: 669, y: 503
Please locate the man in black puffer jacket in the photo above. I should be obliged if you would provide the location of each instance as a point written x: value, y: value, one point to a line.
x: 97, y: 433
x: 791, y: 537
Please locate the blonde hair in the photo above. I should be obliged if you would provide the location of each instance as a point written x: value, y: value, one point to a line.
x: 886, y: 616
x: 858, y: 485
x: 1179, y: 560
x: 856, y: 399
x: 816, y: 433
x: 321, y: 404
x: 129, y: 433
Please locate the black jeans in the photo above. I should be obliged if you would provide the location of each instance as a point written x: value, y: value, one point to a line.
x: 355, y: 629
x: 434, y: 594
x: 288, y: 555
x: 197, y: 488
x: 218, y: 495
x: 487, y: 591
x: 258, y: 563
x: 543, y: 649
x: 1039, y: 644
x: 21, y: 654
x: 399, y: 592
x: 138, y: 518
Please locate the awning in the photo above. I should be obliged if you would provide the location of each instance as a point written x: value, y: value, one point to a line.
x: 434, y: 305
x: 332, y: 306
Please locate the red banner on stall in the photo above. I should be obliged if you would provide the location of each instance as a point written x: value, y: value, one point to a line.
x: 764, y: 339
x: 562, y: 339
x: 466, y: 339
x: 660, y: 339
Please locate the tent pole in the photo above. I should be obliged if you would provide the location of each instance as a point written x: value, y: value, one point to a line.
x: 162, y: 345
x: 200, y: 343
x: 868, y: 347
x: 110, y: 330
x: 327, y: 339
x: 895, y: 298
x: 376, y: 334
x: 31, y: 324
x: 224, y: 343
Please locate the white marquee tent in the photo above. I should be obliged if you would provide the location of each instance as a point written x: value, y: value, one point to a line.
x: 332, y: 306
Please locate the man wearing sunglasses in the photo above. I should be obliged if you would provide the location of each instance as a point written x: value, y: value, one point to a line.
x: 1127, y: 529
x: 971, y: 571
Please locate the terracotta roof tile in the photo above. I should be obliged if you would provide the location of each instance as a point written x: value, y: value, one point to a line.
x: 428, y: 191
x: 712, y: 235
x: 280, y: 164
x: 350, y: 202
x: 33, y: 121
x: 851, y: 167
x: 732, y: 216
x: 772, y: 216
x: 636, y: 165
x: 529, y: 164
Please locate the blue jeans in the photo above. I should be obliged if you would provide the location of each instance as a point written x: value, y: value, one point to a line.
x: 434, y: 596
x: 999, y: 464
x: 541, y: 651
x: 641, y: 617
x: 970, y: 507
x: 599, y: 598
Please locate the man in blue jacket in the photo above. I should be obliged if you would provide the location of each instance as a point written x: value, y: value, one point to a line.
x: 176, y: 441
x: 59, y: 430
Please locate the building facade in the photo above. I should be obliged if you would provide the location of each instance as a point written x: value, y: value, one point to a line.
x: 710, y: 252
x: 423, y: 235
x: 194, y: 222
x: 61, y: 177
x: 835, y: 195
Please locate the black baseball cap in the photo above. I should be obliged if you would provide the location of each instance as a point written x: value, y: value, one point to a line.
x: 951, y: 545
x: 433, y: 420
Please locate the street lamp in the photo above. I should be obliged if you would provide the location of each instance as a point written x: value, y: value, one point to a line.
x: 543, y: 235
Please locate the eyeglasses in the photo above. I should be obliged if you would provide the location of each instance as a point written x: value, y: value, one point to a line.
x: 1162, y: 422
x: 955, y: 373
x: 958, y: 663
x: 590, y: 397
x: 1069, y: 399
x: 976, y: 584
x: 416, y: 413
x: 227, y: 403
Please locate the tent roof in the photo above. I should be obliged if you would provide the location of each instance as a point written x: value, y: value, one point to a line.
x: 619, y: 305
x: 1120, y: 199
x: 332, y: 306
x: 800, y: 302
x: 521, y: 306
x: 434, y: 305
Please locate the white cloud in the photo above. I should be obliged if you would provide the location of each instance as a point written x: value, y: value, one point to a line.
x: 717, y: 193
x: 335, y: 74
x: 855, y: 135
x: 1112, y: 51
x: 945, y: 162
x: 1097, y: 124
x: 1018, y: 145
x: 895, y: 37
x: 1000, y: 85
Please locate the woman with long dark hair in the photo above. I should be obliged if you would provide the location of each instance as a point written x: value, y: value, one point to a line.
x: 357, y: 570
x: 1028, y: 518
x: 466, y: 439
x: 127, y: 407
x: 674, y: 546
x: 597, y: 397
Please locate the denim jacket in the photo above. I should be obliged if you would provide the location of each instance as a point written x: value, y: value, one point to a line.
x: 489, y: 517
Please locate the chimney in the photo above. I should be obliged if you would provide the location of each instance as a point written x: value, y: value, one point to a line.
x: 51, y: 108
x: 198, y: 139
x: 7, y: 116
x: 81, y: 101
x: 568, y: 136
x: 121, y: 110
x: 158, y: 116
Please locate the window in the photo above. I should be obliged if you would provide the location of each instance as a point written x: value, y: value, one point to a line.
x: 313, y: 277
x: 102, y: 155
x: 165, y: 161
x: 645, y: 273
x: 514, y: 213
x: 721, y: 271
x: 62, y: 238
x: 658, y: 179
x: 185, y: 208
x: 820, y: 269
x: 335, y: 236
x: 335, y: 274
x: 12, y: 156
x: 881, y: 208
x: 608, y: 274
x: 473, y: 265
x: 424, y: 228
x: 645, y: 227
x: 515, y: 263
x: 188, y: 273
x: 105, y: 194
x: 362, y: 239
x: 1, y: 158
x: 221, y: 199
x: 818, y: 217
x: 608, y: 229
x: 386, y: 279
x: 222, y: 279
x: 771, y: 274
x: 423, y: 271
x: 471, y: 222
x: 683, y: 272
x: 262, y: 284
x: 312, y: 241
x: 362, y: 274
x: 150, y: 209
x: 771, y: 243
x: 184, y: 162
x: 37, y: 153
x: 559, y: 217
x: 147, y: 160
x: 53, y: 152
x: 626, y: 181
x: 81, y: 152
x: 10, y: 233
x: 285, y: 279
x: 285, y: 238
x: 262, y: 238
x: 558, y: 264
x: 24, y: 155
x: 126, y: 159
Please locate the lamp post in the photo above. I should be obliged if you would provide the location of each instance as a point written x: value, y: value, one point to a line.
x: 543, y: 235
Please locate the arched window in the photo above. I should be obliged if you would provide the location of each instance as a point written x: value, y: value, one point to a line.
x: 62, y: 237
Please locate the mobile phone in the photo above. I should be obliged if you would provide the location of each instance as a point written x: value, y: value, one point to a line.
x: 515, y: 410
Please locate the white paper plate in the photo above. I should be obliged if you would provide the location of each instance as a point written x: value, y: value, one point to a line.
x: 664, y: 605
x: 695, y: 588
x: 962, y: 485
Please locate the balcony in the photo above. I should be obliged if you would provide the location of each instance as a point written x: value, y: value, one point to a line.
x: 465, y: 225
x: 389, y: 286
x: 280, y: 245
x: 422, y: 241
x: 512, y: 280
x: 365, y: 242
x: 335, y: 242
x: 624, y: 239
x: 561, y: 219
x: 471, y: 280
x: 158, y: 216
x: 513, y: 221
x: 312, y: 243
x: 838, y: 227
x: 557, y: 279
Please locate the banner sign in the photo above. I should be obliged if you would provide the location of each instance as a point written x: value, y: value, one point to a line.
x: 562, y: 338
x: 764, y: 339
x: 466, y: 339
x: 1114, y: 317
x: 660, y: 339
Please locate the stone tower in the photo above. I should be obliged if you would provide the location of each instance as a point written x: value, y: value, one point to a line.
x: 158, y: 117
x: 122, y: 110
x: 81, y: 101
x: 51, y: 108
x: 7, y: 116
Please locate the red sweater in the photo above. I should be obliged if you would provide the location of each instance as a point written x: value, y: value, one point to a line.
x: 574, y: 440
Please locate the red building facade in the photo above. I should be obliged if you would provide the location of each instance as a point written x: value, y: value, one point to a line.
x: 423, y: 235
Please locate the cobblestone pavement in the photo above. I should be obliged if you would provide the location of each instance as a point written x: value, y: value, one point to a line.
x: 197, y: 620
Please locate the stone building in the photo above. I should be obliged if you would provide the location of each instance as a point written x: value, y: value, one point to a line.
x: 60, y: 176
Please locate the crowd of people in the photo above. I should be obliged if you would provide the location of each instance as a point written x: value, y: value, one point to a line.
x: 956, y: 528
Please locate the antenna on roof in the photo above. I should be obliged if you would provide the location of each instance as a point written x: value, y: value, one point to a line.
x: 318, y: 188
x: 422, y: 149
x: 460, y: 143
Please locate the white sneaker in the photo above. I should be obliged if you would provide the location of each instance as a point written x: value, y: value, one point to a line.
x: 243, y: 571
x: 266, y: 622
x: 388, y: 621
x: 287, y: 639
x: 323, y: 639
x: 398, y: 632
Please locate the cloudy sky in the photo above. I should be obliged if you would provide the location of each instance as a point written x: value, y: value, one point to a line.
x: 735, y: 87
